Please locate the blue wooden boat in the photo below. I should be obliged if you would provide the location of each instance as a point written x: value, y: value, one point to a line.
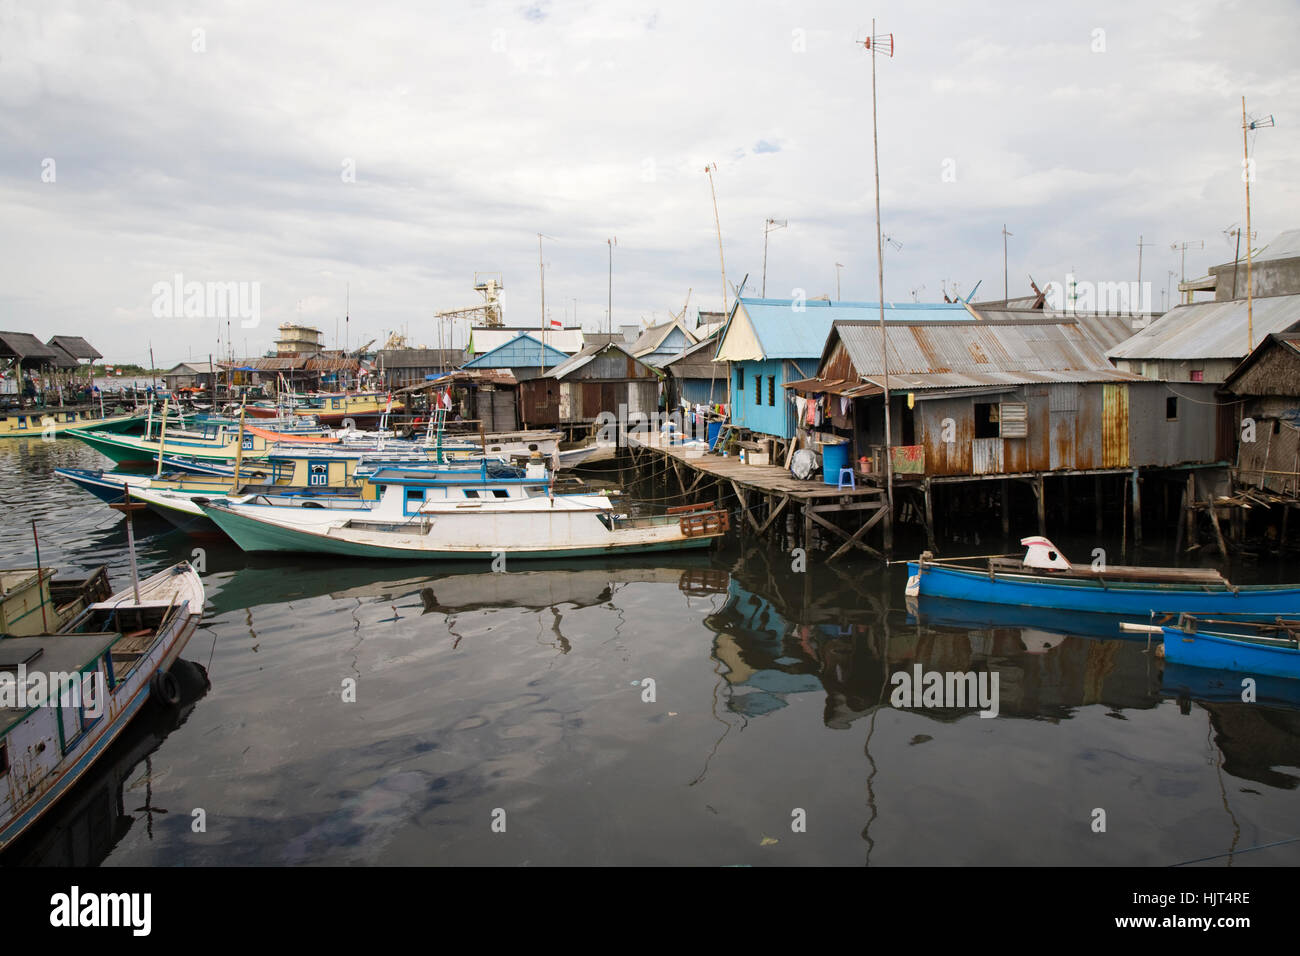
x: 1045, y: 579
x: 1242, y: 647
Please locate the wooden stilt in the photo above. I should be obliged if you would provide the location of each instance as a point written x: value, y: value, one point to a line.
x: 1218, y: 532
x: 1178, y: 538
x: 929, y: 517
x: 1042, y: 505
x: 1096, y: 505
x: 1137, y: 511
x: 1191, y: 511
x: 1006, y: 508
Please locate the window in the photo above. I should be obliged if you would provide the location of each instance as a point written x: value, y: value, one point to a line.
x: 1198, y: 375
x: 771, y: 390
x: 499, y: 493
x: 1277, y: 426
x: 470, y: 493
x: 1171, y: 409
x: 414, y: 498
x: 758, y: 390
x: 1014, y: 419
x: 740, y: 378
x: 986, y: 420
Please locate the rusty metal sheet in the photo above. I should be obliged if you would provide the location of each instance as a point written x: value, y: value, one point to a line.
x: 986, y: 456
x: 1114, y: 426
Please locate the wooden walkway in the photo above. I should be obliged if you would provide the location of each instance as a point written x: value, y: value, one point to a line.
x: 765, y: 492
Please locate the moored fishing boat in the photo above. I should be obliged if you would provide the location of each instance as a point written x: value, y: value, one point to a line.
x: 104, y: 665
x: 33, y: 600
x: 221, y: 443
x: 1247, y: 647
x: 1045, y: 579
x: 416, y: 518
x: 58, y: 421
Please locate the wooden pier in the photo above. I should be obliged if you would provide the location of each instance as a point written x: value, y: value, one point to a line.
x: 844, y: 516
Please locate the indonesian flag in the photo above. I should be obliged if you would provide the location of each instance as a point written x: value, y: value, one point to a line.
x: 556, y: 324
x: 389, y: 408
x: 445, y: 399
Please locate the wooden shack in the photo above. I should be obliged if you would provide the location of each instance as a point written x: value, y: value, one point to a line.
x: 598, y: 379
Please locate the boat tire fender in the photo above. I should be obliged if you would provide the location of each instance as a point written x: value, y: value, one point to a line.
x: 166, y: 688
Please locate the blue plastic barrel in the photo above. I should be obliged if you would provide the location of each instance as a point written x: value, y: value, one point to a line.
x: 834, y: 457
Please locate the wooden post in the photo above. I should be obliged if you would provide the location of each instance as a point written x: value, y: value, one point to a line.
x: 1137, y: 512
x: 1191, y: 510
x: 1042, y: 504
x: 929, y: 517
x: 1218, y: 532
x: 1182, y: 525
x: 1096, y: 501
x: 1065, y: 502
x: 1006, y: 509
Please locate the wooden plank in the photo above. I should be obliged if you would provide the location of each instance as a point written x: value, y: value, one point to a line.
x: 857, y: 535
x: 772, y: 515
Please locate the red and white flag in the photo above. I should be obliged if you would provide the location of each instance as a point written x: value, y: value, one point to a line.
x: 556, y: 324
x: 445, y: 400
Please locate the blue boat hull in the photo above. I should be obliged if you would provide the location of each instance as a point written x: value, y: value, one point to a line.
x: 94, y: 482
x: 1109, y: 598
x: 1226, y: 653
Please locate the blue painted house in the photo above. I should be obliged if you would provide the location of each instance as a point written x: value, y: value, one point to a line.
x: 523, y: 356
x: 771, y: 342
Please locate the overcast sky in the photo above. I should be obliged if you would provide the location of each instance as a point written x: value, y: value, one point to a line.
x: 223, y: 155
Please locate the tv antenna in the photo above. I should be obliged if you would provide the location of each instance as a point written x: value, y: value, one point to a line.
x: 770, y: 225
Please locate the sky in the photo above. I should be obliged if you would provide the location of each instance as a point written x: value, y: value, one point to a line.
x: 332, y: 159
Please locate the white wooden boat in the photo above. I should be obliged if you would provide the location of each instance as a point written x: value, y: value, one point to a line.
x: 418, y: 518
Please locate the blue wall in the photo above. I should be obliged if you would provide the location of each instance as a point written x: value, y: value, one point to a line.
x: 776, y: 418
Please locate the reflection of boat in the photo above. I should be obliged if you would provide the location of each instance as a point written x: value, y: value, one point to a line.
x: 1242, y: 647
x: 92, y: 819
x: 467, y: 587
x: 104, y: 665
x: 1045, y: 579
x: 946, y: 612
x: 1182, y: 681
x: 32, y: 600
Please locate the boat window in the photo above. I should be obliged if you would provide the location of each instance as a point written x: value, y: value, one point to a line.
x: 499, y: 493
x: 532, y: 448
x: 1171, y: 408
x: 471, y: 493
x: 415, y: 495
x: 22, y: 421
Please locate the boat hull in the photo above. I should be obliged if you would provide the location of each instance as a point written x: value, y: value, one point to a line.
x: 252, y: 534
x: 1225, y: 653
x: 1140, y: 600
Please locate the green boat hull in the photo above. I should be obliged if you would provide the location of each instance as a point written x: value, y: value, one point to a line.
x: 252, y: 535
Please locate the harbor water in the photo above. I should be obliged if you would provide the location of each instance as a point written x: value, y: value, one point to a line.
x: 732, y: 708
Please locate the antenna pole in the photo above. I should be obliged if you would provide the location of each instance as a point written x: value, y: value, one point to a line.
x: 1245, y: 174
x: 1006, y: 294
x: 880, y: 276
x: 1139, y: 289
x: 711, y: 169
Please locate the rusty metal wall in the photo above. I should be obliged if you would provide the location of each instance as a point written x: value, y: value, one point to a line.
x: 1155, y: 441
x: 1114, y: 426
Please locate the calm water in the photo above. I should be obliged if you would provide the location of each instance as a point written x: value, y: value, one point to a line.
x: 478, y: 693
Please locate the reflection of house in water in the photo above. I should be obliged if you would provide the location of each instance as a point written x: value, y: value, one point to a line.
x: 1255, y: 740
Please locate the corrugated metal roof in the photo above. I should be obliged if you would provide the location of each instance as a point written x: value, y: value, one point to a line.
x: 522, y: 351
x: 1284, y: 246
x: 784, y: 333
x: 567, y: 341
x: 1209, y: 330
x: 576, y: 362
x: 951, y: 355
x: 421, y: 358
x: 696, y: 362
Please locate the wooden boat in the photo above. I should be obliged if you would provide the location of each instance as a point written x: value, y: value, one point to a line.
x: 1232, y: 644
x: 336, y: 407
x: 32, y: 600
x: 118, y: 651
x: 221, y: 443
x: 419, y: 518
x: 1045, y: 579
x: 58, y: 421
